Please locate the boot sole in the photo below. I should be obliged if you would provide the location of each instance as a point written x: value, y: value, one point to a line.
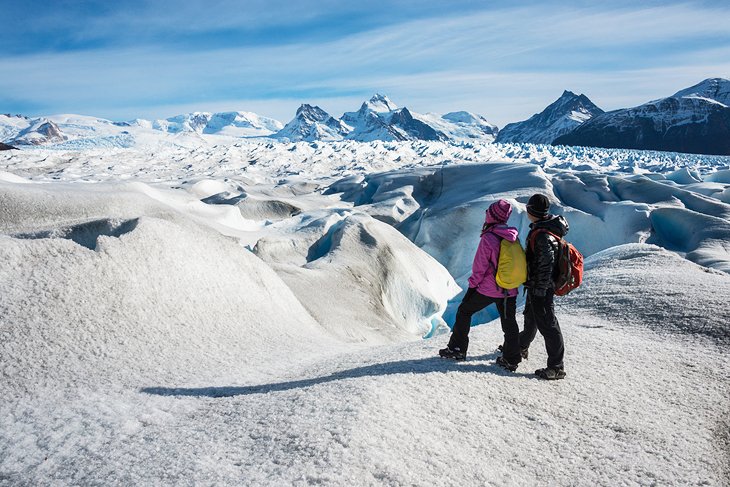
x: 510, y: 368
x: 451, y: 358
x: 545, y: 377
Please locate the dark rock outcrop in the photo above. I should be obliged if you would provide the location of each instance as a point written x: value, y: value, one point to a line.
x: 695, y: 120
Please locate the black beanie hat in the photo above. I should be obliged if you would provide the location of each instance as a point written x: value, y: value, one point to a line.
x: 538, y: 205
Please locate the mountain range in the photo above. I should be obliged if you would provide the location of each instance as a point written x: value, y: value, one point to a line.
x: 376, y: 119
x: 381, y: 119
x: 695, y: 120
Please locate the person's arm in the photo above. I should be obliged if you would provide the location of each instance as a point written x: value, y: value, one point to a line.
x: 541, y: 274
x: 482, y: 263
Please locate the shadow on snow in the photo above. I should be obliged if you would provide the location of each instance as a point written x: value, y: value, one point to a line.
x: 402, y: 367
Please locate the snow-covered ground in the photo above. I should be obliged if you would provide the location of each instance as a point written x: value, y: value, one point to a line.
x: 254, y: 313
x: 182, y: 156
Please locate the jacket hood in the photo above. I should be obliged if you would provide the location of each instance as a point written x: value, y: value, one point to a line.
x: 508, y: 233
x: 556, y: 224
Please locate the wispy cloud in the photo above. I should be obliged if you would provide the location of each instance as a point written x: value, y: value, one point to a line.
x: 506, y: 63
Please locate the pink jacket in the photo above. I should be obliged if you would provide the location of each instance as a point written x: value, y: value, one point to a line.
x: 486, y: 259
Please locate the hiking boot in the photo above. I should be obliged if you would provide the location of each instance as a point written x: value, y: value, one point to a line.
x: 502, y: 362
x: 452, y: 353
x: 524, y: 352
x: 549, y: 373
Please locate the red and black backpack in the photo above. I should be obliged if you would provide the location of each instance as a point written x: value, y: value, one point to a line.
x: 568, y: 264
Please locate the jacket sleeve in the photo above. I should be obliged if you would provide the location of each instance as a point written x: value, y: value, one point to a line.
x: 482, y: 263
x: 541, y: 273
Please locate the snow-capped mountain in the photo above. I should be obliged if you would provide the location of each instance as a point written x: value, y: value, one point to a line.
x: 234, y: 124
x: 461, y: 125
x: 64, y: 131
x: 413, y: 127
x: 80, y: 131
x: 711, y: 89
x: 379, y: 104
x: 378, y: 119
x: 12, y: 125
x: 381, y: 119
x: 39, y: 132
x: 372, y: 121
x: 695, y: 120
x: 560, y: 117
x: 312, y: 123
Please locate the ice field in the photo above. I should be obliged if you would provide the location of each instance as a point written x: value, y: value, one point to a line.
x: 200, y: 309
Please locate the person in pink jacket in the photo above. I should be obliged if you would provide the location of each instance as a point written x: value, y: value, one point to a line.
x: 483, y: 291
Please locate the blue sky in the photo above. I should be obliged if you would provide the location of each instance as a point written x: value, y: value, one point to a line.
x: 504, y: 60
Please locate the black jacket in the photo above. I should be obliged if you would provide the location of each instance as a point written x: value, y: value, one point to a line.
x: 542, y: 253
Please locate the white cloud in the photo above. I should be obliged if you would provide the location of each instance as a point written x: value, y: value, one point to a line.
x: 506, y: 64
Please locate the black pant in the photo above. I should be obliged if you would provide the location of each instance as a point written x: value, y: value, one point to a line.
x: 474, y: 302
x: 540, y: 316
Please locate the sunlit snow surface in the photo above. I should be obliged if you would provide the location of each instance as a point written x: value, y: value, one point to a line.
x: 204, y: 310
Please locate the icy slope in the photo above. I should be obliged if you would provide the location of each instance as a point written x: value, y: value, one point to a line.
x: 396, y: 416
x: 121, y: 299
x: 144, y: 343
x: 442, y: 210
x: 360, y: 278
x: 674, y: 309
x: 637, y: 407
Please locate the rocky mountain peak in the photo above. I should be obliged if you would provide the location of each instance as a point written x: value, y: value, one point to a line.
x: 560, y: 117
x: 379, y: 104
x: 49, y: 129
x: 312, y: 113
x: 717, y: 89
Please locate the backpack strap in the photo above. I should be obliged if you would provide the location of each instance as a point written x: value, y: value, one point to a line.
x: 494, y: 265
x: 533, y: 235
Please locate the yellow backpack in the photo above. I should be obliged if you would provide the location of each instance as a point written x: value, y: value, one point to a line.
x: 512, y: 265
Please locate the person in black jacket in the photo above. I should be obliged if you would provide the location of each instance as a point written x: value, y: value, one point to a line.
x: 542, y: 251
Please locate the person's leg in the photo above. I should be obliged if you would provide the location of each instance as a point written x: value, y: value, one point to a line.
x: 507, y: 316
x: 549, y: 328
x: 473, y: 302
x: 527, y: 335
